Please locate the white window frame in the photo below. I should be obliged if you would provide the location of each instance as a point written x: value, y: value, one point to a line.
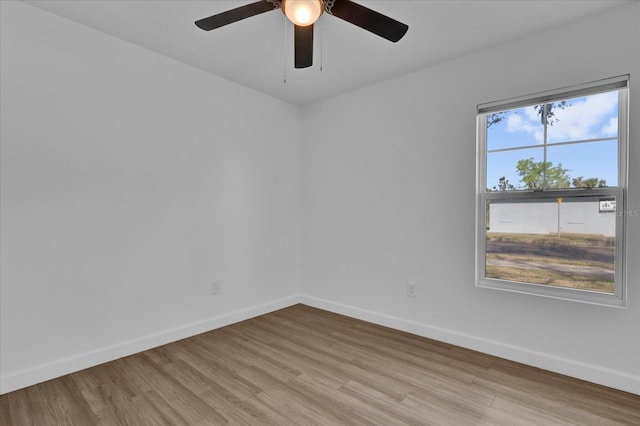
x: 618, y: 297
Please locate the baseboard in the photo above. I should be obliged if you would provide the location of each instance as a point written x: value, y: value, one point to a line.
x: 60, y: 367
x: 589, y: 372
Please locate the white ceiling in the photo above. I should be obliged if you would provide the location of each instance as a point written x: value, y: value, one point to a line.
x: 252, y: 52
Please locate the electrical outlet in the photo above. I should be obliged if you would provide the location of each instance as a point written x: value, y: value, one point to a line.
x: 216, y: 287
x: 411, y: 289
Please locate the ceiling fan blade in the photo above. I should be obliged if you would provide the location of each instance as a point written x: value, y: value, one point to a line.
x: 237, y: 14
x: 369, y: 20
x: 303, y: 41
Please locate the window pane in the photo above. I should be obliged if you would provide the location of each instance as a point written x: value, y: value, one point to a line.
x: 590, y: 164
x: 555, y: 242
x: 514, y: 128
x: 504, y: 164
x: 587, y: 117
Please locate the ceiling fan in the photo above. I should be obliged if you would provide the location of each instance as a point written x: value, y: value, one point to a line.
x: 304, y: 13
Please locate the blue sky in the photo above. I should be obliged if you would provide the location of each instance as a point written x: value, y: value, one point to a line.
x: 588, y: 117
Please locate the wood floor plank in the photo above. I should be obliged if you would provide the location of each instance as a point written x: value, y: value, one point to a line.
x: 5, y: 411
x: 305, y: 366
x: 153, y: 408
x: 118, y: 409
x: 233, y: 409
x: 440, y: 411
x: 371, y: 397
x: 23, y: 408
x: 370, y: 413
x: 341, y: 411
x: 230, y: 380
x: 319, y: 372
x: 595, y: 396
x: 175, y: 394
x: 292, y: 402
x: 90, y: 392
x: 410, y: 357
x: 508, y: 410
x: 272, y: 415
x: 377, y: 380
x: 424, y: 381
x: 572, y: 409
x: 298, y: 411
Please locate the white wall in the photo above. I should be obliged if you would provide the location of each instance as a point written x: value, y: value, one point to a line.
x: 389, y: 198
x: 129, y: 182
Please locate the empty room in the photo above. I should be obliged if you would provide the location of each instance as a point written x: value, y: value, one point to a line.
x: 324, y: 212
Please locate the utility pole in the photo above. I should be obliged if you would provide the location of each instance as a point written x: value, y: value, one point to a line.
x: 559, y: 202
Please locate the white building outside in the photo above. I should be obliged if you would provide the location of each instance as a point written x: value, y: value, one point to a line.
x: 547, y: 217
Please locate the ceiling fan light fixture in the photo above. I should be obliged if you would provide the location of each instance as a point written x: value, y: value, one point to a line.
x: 303, y: 12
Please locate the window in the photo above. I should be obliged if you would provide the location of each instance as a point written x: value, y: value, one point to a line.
x: 551, y: 193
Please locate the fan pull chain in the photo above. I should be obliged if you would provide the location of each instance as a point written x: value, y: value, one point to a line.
x: 321, y: 41
x: 284, y: 68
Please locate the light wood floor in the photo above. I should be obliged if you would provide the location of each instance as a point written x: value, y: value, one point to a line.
x: 302, y: 366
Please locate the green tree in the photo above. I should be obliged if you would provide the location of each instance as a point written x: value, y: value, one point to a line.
x: 538, y: 175
x: 551, y: 111
x: 503, y: 185
x: 496, y: 117
x: 580, y: 182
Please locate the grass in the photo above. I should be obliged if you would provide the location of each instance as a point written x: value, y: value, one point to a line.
x: 548, y: 277
x: 559, y: 261
x: 579, y: 261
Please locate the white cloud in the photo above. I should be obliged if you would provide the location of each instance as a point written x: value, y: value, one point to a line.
x: 528, y: 122
x: 583, y: 119
x: 532, y: 114
x: 586, y: 118
x: 610, y: 129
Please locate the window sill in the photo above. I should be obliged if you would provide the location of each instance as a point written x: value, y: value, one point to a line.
x: 561, y: 293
